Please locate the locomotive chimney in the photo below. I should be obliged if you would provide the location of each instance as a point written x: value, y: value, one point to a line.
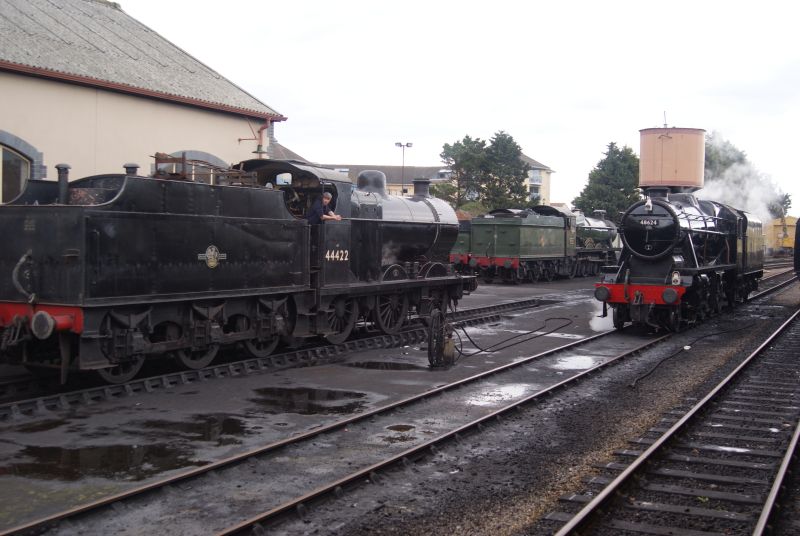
x: 131, y: 169
x: 63, y: 183
x: 600, y: 213
x: 422, y: 187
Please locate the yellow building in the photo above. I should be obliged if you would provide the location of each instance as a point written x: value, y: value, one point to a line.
x: 780, y: 235
x: 538, y: 181
x: 85, y: 84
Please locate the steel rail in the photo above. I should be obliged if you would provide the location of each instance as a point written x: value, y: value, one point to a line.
x: 772, y: 498
x: 432, y: 443
x: 72, y: 512
x: 414, y: 334
x: 587, y: 513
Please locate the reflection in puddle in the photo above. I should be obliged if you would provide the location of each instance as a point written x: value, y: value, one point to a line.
x: 575, y: 362
x: 307, y: 401
x: 403, y: 438
x: 499, y: 394
x: 120, y: 462
x: 218, y: 428
x: 400, y: 427
x: 386, y: 365
x: 41, y: 426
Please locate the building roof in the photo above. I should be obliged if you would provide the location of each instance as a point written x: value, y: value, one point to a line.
x: 533, y: 163
x: 95, y: 43
x: 395, y: 174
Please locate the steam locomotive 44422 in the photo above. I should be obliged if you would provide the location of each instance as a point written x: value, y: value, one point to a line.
x: 683, y: 258
x: 105, y: 271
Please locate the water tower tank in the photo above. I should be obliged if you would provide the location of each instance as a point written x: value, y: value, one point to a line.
x: 672, y: 157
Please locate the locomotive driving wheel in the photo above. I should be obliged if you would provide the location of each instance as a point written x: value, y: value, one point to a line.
x: 257, y: 348
x: 342, y: 316
x: 197, y: 358
x: 390, y: 312
x: 123, y: 372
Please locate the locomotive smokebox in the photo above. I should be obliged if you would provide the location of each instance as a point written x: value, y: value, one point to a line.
x: 672, y: 158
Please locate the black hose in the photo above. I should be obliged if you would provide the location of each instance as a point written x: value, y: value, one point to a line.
x: 684, y: 348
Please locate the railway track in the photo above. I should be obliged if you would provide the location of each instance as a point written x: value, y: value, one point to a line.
x: 244, y: 482
x: 716, y: 468
x: 11, y: 407
x: 264, y: 469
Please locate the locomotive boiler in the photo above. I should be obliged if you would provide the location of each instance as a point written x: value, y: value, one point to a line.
x: 106, y: 271
x: 683, y: 258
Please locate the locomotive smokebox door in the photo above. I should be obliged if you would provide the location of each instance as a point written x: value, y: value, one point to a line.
x: 334, y: 252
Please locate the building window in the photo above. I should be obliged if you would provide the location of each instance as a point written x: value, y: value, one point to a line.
x: 14, y: 173
x: 535, y: 176
x: 534, y: 192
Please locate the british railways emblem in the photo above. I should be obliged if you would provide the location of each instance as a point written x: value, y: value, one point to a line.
x: 212, y: 256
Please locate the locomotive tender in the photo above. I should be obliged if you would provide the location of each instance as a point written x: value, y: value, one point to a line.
x: 105, y: 271
x: 538, y: 243
x: 683, y: 258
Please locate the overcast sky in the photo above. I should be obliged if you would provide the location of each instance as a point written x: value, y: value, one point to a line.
x: 563, y: 78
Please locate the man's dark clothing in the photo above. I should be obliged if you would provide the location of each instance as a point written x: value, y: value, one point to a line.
x: 317, y: 210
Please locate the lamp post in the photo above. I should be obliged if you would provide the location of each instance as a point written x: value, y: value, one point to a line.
x: 403, y: 168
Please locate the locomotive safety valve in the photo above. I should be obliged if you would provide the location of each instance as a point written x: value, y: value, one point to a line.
x: 43, y: 324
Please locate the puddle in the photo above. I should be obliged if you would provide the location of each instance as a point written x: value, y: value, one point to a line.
x: 308, y: 401
x: 400, y: 427
x: 575, y: 362
x: 398, y: 439
x: 499, y: 394
x: 117, y: 462
x: 385, y: 365
x: 41, y: 426
x: 218, y: 428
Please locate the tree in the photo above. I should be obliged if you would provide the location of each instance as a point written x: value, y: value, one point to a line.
x: 446, y: 191
x: 730, y: 178
x: 467, y: 160
x: 613, y: 184
x: 505, y: 182
x: 493, y: 175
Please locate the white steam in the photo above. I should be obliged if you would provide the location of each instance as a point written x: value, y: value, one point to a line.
x: 740, y: 185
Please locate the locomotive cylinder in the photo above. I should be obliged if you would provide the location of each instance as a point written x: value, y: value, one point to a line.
x: 672, y: 158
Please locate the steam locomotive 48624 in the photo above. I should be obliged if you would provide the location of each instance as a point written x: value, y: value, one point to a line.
x: 683, y: 258
x: 103, y: 272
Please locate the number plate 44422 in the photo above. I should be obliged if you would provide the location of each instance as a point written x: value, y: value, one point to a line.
x: 337, y: 255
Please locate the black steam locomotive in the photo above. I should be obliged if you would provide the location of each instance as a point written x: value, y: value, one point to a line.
x: 106, y: 271
x: 683, y: 259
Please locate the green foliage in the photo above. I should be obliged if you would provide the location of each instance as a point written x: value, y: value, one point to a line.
x: 779, y: 208
x: 467, y: 160
x: 494, y: 175
x: 505, y: 182
x: 446, y: 191
x: 475, y: 208
x: 613, y: 184
x: 721, y: 155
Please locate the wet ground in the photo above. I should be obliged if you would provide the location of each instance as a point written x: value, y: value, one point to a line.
x: 50, y: 462
x: 54, y: 461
